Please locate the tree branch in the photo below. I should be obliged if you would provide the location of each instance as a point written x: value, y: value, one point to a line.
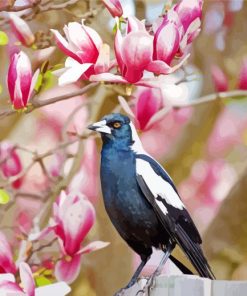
x: 234, y: 94
x: 10, y: 8
x: 37, y: 103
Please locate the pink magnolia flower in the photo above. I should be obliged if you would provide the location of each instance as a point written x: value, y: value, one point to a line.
x: 242, y: 83
x: 114, y: 7
x: 21, y: 30
x: 166, y: 41
x: 73, y: 216
x: 177, y: 30
x: 220, y: 79
x: 149, y: 102
x: 57, y: 164
x: 20, y: 80
x: 7, y: 264
x: 10, y: 163
x: 27, y: 285
x: 190, y: 14
x: 87, y: 53
x: 133, y: 52
x: 148, y: 107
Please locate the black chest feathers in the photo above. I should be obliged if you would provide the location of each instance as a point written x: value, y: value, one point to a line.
x: 130, y: 212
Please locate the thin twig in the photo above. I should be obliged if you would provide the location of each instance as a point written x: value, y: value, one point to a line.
x: 235, y: 94
x: 37, y: 103
x: 40, y: 248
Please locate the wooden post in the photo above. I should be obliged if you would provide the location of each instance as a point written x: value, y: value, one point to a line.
x: 190, y: 285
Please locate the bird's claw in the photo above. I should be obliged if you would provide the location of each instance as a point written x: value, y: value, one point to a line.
x: 148, y: 287
x: 140, y: 293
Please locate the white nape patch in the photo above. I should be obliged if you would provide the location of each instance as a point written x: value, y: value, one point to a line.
x: 137, y: 145
x: 158, y: 186
x: 102, y: 127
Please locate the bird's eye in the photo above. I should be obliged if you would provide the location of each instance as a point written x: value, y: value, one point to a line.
x: 116, y: 124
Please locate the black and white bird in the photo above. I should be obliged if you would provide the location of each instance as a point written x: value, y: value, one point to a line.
x: 142, y: 201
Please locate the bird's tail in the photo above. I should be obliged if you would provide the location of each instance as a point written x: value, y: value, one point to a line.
x: 180, y: 265
x: 194, y: 253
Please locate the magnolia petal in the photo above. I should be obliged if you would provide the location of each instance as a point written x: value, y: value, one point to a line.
x: 82, y: 42
x: 12, y: 76
x: 27, y: 279
x: 137, y: 50
x: 40, y: 235
x: 108, y: 77
x: 93, y: 35
x: 219, y: 79
x: 157, y: 117
x: 135, y: 25
x: 149, y: 102
x: 114, y: 7
x: 93, y: 246
x: 160, y: 67
x: 6, y: 258
x: 59, y: 289
x: 124, y: 104
x: 188, y: 11
x: 11, y: 289
x: 42, y: 55
x: 7, y: 277
x: 24, y: 76
x: 118, y: 42
x: 166, y: 42
x: 191, y: 33
x: 77, y: 221
x: 33, y: 82
x: 11, y: 166
x: 64, y: 45
x: 18, y: 102
x: 103, y: 62
x: 68, y: 270
x: 21, y: 30
x: 71, y: 75
x: 242, y: 82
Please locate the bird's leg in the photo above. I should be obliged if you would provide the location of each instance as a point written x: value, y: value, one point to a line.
x: 137, y: 273
x: 134, y: 277
x: 150, y: 283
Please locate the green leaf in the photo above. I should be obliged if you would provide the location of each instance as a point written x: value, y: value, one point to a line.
x: 4, y: 197
x: 49, y: 80
x: 1, y: 88
x: 42, y: 281
x: 39, y: 83
x: 3, y: 38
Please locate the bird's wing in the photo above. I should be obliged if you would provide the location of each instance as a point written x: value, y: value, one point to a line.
x: 158, y: 188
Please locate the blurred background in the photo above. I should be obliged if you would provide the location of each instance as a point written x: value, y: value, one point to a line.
x: 203, y: 147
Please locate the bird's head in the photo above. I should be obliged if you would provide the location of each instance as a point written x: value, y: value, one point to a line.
x: 116, y: 128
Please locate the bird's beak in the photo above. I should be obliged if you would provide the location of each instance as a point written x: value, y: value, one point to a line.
x: 100, y: 127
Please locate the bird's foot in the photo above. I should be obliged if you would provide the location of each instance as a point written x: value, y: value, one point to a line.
x: 120, y: 292
x: 148, y: 286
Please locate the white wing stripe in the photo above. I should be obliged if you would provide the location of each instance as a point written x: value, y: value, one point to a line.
x: 158, y: 186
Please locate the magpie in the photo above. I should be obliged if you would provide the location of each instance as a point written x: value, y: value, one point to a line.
x: 142, y: 201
